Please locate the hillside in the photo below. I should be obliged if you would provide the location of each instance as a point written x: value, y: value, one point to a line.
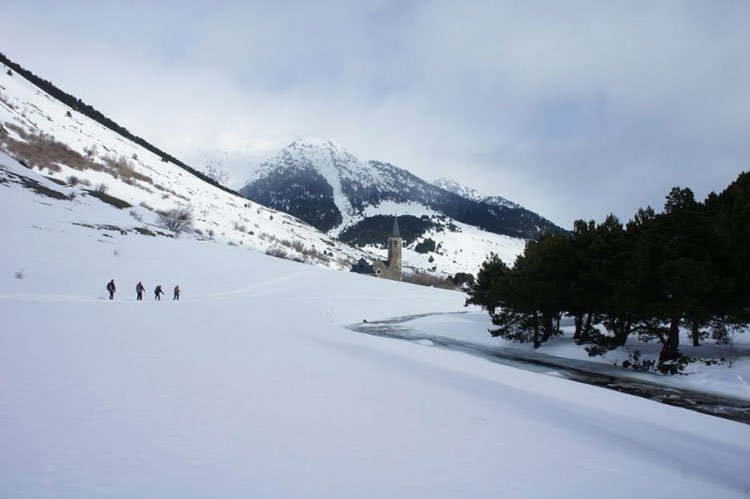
x: 91, y: 160
x: 87, y: 156
x: 322, y: 183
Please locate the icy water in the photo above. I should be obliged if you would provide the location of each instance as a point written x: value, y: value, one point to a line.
x: 583, y: 372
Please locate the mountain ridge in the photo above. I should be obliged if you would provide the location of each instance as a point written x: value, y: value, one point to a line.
x: 324, y: 184
x: 471, y: 193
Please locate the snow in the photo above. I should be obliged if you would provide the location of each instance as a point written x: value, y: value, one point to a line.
x: 326, y: 157
x: 231, y: 219
x: 463, y: 250
x: 472, y: 327
x: 471, y: 193
x: 252, y: 386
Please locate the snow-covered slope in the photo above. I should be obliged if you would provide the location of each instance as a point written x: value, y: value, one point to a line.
x: 327, y: 186
x: 53, y: 138
x: 251, y: 386
x: 473, y: 194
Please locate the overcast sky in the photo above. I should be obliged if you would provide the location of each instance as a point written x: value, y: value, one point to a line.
x: 573, y: 109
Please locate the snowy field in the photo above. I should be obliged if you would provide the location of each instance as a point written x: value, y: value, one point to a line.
x: 251, y: 386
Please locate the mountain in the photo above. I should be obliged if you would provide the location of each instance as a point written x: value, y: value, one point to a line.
x: 90, y: 171
x: 322, y: 183
x: 325, y: 185
x: 341, y: 208
x: 471, y: 193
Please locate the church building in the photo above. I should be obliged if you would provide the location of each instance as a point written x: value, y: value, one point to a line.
x: 390, y: 269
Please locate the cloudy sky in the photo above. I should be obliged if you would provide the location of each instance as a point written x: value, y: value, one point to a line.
x: 573, y: 109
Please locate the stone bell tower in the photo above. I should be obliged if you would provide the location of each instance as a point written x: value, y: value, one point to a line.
x: 394, y: 252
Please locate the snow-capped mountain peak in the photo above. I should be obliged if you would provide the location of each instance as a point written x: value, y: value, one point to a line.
x: 471, y: 193
x: 325, y: 185
x: 316, y: 143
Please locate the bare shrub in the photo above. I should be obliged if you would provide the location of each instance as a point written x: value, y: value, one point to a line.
x: 101, y: 188
x: 311, y: 254
x: 177, y: 219
x: 724, y: 335
x: 122, y: 167
x: 73, y: 180
x: 239, y: 226
x: 52, y: 168
x: 306, y: 254
x: 136, y: 215
x: 91, y: 151
x: 277, y: 252
x: 19, y: 274
x: 427, y: 279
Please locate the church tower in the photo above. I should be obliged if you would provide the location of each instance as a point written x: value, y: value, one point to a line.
x: 394, y: 252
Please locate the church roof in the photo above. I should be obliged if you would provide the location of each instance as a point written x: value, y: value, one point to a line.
x: 362, y: 267
x: 396, y: 232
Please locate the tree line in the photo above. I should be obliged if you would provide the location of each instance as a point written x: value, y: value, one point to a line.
x: 685, y: 267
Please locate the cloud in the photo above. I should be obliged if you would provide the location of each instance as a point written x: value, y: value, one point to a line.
x: 572, y: 109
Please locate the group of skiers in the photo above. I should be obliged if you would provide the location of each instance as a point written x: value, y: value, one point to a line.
x: 140, y: 289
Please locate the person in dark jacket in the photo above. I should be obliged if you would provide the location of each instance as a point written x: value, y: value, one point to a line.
x: 139, y: 290
x: 176, y: 293
x: 158, y: 292
x: 111, y: 288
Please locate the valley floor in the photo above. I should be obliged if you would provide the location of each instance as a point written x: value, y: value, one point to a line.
x: 718, y: 390
x: 252, y: 386
x: 710, y: 374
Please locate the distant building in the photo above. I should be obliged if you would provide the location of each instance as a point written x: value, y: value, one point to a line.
x: 362, y: 267
x: 390, y: 269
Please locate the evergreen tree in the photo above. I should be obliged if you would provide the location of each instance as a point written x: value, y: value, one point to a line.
x: 688, y: 266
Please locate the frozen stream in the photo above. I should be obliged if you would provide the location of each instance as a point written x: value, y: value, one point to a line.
x: 592, y: 373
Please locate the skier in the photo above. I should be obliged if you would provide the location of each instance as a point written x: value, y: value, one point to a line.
x: 158, y: 292
x: 111, y: 288
x: 139, y: 289
x: 176, y: 293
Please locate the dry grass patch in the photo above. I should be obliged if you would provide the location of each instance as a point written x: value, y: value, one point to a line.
x: 44, y: 152
x: 125, y: 170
